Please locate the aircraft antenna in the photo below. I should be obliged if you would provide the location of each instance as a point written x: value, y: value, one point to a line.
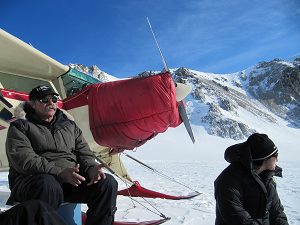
x: 162, y: 57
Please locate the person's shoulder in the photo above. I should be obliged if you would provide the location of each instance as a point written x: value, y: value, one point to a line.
x: 223, y: 175
x: 231, y: 173
x: 232, y: 168
x: 67, y: 114
x: 63, y: 115
x: 64, y: 119
x: 19, y: 122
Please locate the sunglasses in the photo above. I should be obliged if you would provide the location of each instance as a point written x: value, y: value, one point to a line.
x: 45, y: 100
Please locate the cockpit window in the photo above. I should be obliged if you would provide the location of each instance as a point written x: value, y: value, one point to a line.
x: 75, y: 81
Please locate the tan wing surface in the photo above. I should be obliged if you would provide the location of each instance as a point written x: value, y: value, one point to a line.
x: 19, y: 58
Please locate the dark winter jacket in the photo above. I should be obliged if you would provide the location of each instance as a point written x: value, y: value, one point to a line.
x: 244, y: 197
x: 34, y: 146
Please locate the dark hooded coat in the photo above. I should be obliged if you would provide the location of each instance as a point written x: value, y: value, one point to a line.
x: 244, y: 197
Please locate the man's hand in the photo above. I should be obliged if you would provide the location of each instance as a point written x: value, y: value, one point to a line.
x: 95, y: 174
x: 71, y: 176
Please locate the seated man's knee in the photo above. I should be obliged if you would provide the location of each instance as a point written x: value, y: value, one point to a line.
x: 48, y: 189
x: 111, y: 181
x: 109, y: 184
x: 48, y: 183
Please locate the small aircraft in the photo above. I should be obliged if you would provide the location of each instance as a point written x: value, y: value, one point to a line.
x: 114, y: 116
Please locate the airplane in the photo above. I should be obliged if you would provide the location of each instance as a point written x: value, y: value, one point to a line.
x: 112, y: 117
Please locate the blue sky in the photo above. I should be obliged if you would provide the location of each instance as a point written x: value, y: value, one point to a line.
x: 221, y: 36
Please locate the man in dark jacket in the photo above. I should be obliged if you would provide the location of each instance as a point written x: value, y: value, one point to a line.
x: 245, y: 191
x: 50, y: 161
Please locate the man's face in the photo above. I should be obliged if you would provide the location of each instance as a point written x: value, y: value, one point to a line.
x: 45, y: 108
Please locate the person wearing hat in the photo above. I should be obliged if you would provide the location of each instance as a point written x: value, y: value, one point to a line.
x: 50, y: 161
x: 245, y: 191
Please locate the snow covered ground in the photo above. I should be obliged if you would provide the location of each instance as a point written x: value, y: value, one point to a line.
x: 200, y: 176
x: 197, y: 166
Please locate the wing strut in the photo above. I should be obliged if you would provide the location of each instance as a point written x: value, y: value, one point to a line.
x: 195, y: 193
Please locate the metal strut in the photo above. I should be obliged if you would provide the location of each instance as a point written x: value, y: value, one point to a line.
x: 158, y: 172
x: 159, y: 213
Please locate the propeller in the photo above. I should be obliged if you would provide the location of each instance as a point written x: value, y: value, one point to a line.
x: 182, y: 91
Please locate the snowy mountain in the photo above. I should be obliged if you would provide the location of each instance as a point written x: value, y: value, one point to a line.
x: 267, y: 90
x: 92, y: 70
x: 225, y: 104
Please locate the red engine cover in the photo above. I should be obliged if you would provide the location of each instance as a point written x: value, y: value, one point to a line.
x: 125, y: 114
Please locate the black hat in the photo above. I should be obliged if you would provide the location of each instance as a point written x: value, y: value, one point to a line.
x: 41, y: 92
x: 261, y: 146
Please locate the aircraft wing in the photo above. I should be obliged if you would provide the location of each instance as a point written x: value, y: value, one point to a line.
x: 19, y: 58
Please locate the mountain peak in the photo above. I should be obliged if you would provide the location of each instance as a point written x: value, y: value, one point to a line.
x: 92, y: 70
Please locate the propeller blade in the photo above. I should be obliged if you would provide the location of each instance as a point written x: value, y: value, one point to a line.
x: 185, y: 119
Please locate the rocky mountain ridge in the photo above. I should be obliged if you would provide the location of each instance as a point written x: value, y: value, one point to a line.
x: 91, y: 70
x: 219, y: 102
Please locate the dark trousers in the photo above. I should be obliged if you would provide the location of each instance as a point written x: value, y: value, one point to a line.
x: 100, y: 197
x: 33, y: 212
